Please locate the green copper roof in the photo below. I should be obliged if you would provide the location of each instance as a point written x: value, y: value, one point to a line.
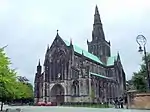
x: 66, y: 42
x: 111, y: 60
x: 85, y: 53
x: 98, y: 75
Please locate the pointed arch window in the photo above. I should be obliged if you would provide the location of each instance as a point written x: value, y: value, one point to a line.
x: 75, y: 88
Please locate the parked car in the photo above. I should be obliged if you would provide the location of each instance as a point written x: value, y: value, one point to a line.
x: 41, y: 104
x: 46, y: 104
x: 49, y: 104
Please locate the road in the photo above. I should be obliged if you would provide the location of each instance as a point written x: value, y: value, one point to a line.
x: 71, y: 109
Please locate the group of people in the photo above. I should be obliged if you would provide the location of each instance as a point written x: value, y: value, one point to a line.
x: 118, y: 102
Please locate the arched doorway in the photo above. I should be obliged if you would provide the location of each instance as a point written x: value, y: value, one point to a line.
x: 57, y: 94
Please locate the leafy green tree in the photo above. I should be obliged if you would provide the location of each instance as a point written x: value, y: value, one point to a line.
x: 27, y: 87
x: 139, y: 78
x: 10, y: 86
x: 30, y: 90
x: 7, y: 78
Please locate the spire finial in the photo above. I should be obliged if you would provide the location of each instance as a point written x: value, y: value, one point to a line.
x: 96, y: 10
x: 39, y: 63
x: 57, y: 35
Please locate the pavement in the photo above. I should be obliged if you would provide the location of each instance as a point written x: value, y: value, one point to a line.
x: 70, y: 109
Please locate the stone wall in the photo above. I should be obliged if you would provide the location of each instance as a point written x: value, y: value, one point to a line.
x: 80, y: 99
x: 138, y: 100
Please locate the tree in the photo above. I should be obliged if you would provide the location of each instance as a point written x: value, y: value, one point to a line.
x: 24, y: 90
x: 7, y: 78
x: 11, y: 86
x: 28, y: 88
x: 139, y: 78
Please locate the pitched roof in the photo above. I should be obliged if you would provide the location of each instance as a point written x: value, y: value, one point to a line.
x: 85, y: 53
x: 77, y: 49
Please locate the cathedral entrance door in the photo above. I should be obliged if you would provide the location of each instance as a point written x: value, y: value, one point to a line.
x: 57, y: 94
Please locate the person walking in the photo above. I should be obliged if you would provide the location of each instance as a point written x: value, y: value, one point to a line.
x: 121, y: 102
x: 116, y: 102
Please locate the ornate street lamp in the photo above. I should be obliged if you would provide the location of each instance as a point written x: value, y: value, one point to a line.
x: 141, y: 40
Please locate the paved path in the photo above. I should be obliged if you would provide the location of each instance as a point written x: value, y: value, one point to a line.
x: 71, y: 109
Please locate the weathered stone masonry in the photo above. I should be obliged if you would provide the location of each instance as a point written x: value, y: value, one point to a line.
x: 71, y: 74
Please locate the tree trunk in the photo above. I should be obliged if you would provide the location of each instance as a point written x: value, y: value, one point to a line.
x: 2, y: 106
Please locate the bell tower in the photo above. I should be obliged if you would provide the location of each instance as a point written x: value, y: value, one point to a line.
x: 99, y: 46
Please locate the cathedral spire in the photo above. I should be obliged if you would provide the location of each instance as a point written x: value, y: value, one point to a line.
x: 39, y: 68
x: 97, y: 19
x: 97, y: 33
x: 99, y: 46
x: 96, y: 10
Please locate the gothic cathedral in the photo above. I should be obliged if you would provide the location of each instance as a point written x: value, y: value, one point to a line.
x: 71, y: 74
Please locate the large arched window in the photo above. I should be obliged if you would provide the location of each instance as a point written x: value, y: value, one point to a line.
x: 58, y: 64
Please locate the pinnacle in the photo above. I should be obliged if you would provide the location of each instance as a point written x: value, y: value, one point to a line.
x: 96, y: 10
x: 39, y: 63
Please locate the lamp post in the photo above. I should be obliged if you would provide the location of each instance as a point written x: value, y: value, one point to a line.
x: 149, y: 66
x: 141, y: 40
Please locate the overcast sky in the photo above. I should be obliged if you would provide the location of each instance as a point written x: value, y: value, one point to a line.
x: 27, y: 26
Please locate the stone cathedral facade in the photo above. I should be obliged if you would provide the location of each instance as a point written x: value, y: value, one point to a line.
x: 71, y: 74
